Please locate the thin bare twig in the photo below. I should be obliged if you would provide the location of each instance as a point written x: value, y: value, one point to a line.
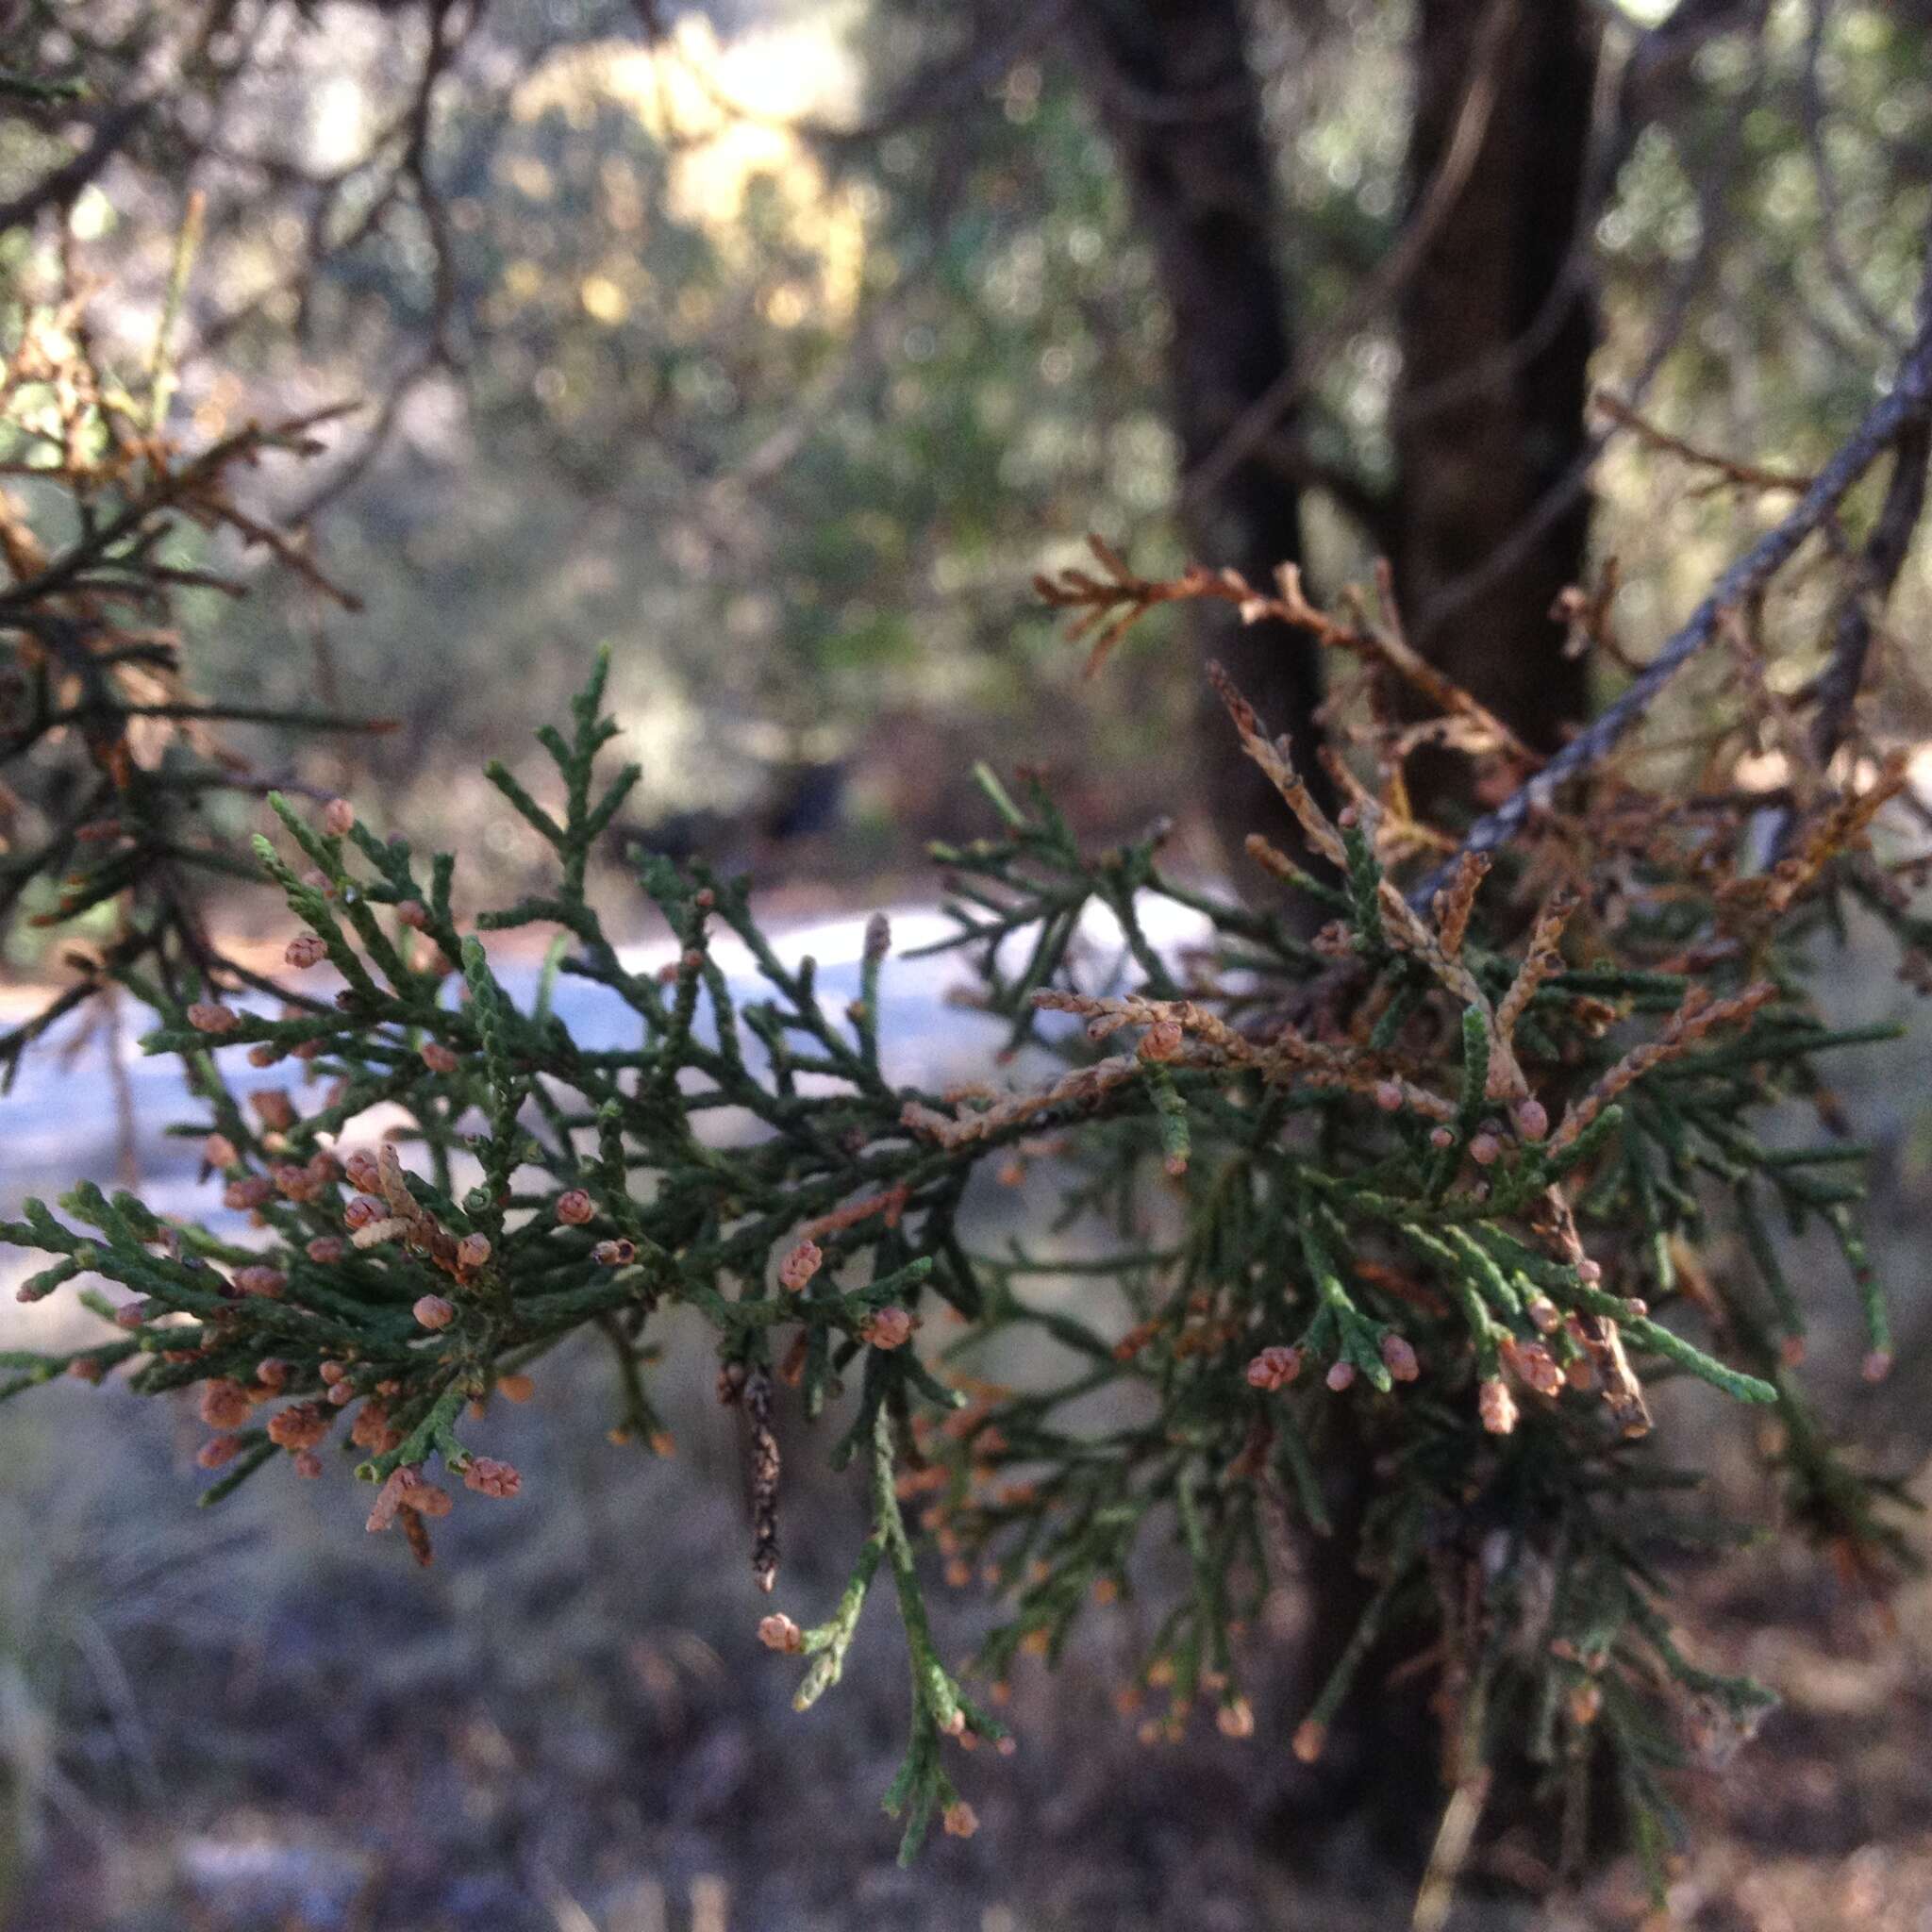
x: 1875, y: 573
x: 1905, y: 411
x: 1259, y: 421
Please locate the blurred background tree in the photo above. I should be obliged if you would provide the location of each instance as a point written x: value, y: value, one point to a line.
x: 778, y: 344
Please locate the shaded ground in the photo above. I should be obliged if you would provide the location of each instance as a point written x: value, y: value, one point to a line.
x: 265, y: 1720
x: 273, y: 1721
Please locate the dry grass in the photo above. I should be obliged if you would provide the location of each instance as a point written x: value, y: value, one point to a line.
x: 567, y: 1724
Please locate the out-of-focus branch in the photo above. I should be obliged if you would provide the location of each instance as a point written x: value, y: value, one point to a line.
x: 150, y: 87
x: 1813, y: 110
x: 1724, y: 470
x: 1258, y: 422
x: 1714, y: 191
x: 1658, y: 61
x: 58, y: 187
x: 117, y: 752
x: 1900, y: 421
x: 1875, y: 573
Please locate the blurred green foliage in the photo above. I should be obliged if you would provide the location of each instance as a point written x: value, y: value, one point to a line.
x: 762, y: 354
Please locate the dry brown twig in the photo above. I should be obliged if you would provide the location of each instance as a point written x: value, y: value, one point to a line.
x: 1541, y: 959
x: 1699, y: 1014
x: 1404, y: 926
x: 1588, y: 614
x: 1081, y: 1087
x: 1284, y: 1054
x: 1768, y: 896
x: 1897, y: 421
x: 90, y: 580
x: 1113, y: 605
x: 1454, y: 904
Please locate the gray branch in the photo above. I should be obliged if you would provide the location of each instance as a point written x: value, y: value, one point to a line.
x: 1895, y: 419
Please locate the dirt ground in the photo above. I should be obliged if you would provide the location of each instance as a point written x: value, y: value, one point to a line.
x: 268, y: 1721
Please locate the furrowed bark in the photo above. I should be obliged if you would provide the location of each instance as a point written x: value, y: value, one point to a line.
x: 1502, y: 426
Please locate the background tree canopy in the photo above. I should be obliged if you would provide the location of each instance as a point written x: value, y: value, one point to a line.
x: 779, y: 345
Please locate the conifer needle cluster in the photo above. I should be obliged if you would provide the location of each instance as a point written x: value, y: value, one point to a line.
x: 1431, y: 1196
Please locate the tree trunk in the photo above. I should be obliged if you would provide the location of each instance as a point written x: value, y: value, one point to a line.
x: 1173, y: 87
x: 1496, y: 328
x: 1494, y: 305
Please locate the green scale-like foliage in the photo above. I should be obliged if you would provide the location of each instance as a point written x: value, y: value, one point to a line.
x: 1397, y: 1199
